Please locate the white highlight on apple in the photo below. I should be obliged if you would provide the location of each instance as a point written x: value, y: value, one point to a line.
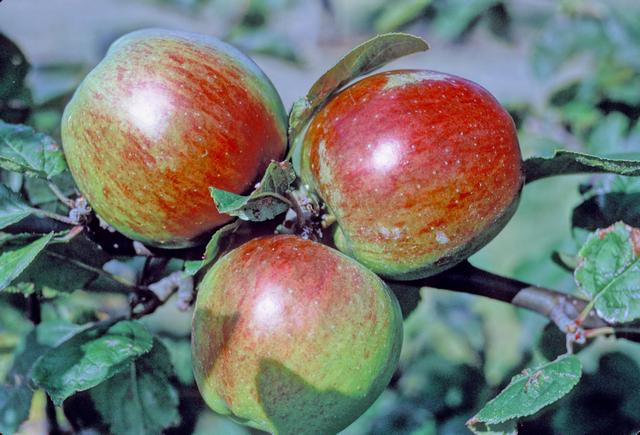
x: 385, y: 156
x: 149, y: 108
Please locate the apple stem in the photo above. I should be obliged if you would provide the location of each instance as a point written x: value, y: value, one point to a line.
x: 295, y: 205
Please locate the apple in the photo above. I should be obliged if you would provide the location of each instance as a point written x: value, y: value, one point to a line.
x: 162, y: 117
x: 293, y: 337
x: 420, y: 168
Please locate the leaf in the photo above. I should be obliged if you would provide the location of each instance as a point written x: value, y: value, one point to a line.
x: 397, y: 14
x: 15, y: 98
x: 503, y: 335
x: 607, y: 401
x: 13, y: 67
x: 566, y: 261
x: 454, y: 17
x: 10, y: 240
x: 16, y: 393
x: 610, y: 199
x: 506, y: 428
x: 90, y: 357
x: 140, y: 400
x: 12, y: 263
x: 363, y: 59
x: 24, y: 150
x: 609, y: 272
x: 601, y: 211
x: 12, y: 207
x: 212, y: 249
x: 57, y: 269
x: 551, y: 51
x: 265, y: 202
x: 15, y: 402
x: 529, y: 392
x: 39, y: 192
x: 53, y: 333
x: 609, y: 134
x: 52, y: 81
x: 569, y: 162
x: 264, y: 41
x: 180, y: 353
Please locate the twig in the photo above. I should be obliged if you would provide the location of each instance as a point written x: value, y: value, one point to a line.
x: 73, y: 233
x: 92, y: 269
x: 34, y: 312
x: 54, y: 216
x: 52, y: 418
x: 563, y: 309
x: 61, y: 196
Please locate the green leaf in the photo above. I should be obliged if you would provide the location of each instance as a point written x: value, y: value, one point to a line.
x: 582, y: 116
x: 607, y: 401
x: 264, y: 41
x: 503, y: 335
x: 397, y: 14
x: 506, y: 428
x: 453, y: 17
x: 569, y: 162
x: 566, y: 261
x: 90, y: 357
x: 39, y: 192
x: 529, y: 392
x: 13, y: 67
x: 15, y: 98
x: 15, y: 402
x: 140, y: 400
x: 180, y: 352
x: 609, y: 272
x: 363, y: 59
x: 12, y: 207
x: 611, y: 198
x: 16, y: 393
x: 609, y: 134
x: 265, y: 202
x: 55, y: 81
x: 551, y: 51
x: 213, y: 248
x: 53, y: 333
x: 11, y: 241
x: 57, y: 269
x: 24, y: 150
x: 12, y: 263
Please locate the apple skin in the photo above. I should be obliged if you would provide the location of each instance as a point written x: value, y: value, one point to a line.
x: 293, y: 337
x: 161, y: 118
x: 420, y: 168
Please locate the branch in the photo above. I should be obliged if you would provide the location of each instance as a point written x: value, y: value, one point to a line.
x: 561, y: 308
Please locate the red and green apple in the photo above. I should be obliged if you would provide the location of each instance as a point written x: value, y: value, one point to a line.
x: 420, y: 168
x: 293, y: 337
x: 164, y: 116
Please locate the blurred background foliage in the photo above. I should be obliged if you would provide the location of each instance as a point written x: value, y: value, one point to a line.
x: 569, y: 72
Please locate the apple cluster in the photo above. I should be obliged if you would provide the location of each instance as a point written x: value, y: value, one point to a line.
x: 420, y: 169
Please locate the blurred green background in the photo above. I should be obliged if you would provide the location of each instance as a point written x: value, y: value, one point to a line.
x: 569, y: 72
